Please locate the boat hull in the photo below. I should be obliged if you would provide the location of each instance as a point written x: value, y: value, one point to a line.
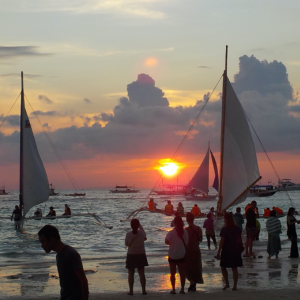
x: 76, y: 195
x: 263, y: 194
x: 169, y: 193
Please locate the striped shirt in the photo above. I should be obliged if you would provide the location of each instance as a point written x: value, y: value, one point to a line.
x: 273, y: 225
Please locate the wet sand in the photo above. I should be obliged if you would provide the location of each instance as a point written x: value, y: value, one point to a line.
x: 259, y: 278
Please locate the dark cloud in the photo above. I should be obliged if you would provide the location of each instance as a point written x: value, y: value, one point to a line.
x: 144, y: 93
x: 13, y: 120
x: 45, y: 113
x: 45, y: 99
x: 20, y: 51
x: 143, y: 124
x: 87, y: 101
x: 263, y: 77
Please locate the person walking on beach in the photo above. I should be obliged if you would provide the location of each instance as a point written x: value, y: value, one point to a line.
x: 291, y: 232
x: 136, y: 255
x: 210, y: 231
x: 238, y: 218
x: 177, y: 239
x: 231, y: 246
x: 273, y: 226
x: 193, y: 262
x: 73, y: 282
x: 251, y: 228
x: 17, y: 216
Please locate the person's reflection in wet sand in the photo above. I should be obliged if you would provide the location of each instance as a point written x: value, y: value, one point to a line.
x: 293, y: 274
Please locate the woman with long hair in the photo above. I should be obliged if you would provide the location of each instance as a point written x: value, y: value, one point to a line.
x: 291, y: 232
x: 231, y: 246
x: 136, y: 255
x: 274, y: 229
x: 177, y: 239
x: 193, y: 262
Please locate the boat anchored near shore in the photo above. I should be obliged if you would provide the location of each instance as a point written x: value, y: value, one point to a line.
x: 124, y: 189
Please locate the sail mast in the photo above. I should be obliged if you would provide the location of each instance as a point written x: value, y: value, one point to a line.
x: 21, y: 145
x: 219, y: 205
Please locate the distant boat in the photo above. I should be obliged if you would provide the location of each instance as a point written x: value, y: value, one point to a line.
x: 198, y: 187
x: 52, y: 190
x: 124, y: 189
x: 287, y: 185
x: 2, y: 191
x: 262, y: 191
x: 171, y: 189
x: 76, y: 194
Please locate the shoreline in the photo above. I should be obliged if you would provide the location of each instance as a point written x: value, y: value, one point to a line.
x: 109, y: 281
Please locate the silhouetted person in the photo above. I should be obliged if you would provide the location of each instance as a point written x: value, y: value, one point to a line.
x: 67, y: 210
x: 17, y: 216
x: 52, y: 212
x: 73, y: 282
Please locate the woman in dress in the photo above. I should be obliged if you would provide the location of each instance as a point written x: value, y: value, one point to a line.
x: 136, y: 255
x: 231, y: 246
x: 177, y: 239
x: 274, y: 229
x: 291, y: 232
x: 193, y: 262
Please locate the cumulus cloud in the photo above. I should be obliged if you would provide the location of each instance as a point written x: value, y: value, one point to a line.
x: 13, y: 120
x: 20, y: 51
x: 143, y: 123
x: 45, y: 99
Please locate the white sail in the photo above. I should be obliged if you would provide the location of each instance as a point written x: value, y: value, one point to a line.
x: 200, y: 179
x: 35, y: 182
x: 240, y: 167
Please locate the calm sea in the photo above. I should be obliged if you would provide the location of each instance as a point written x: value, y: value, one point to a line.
x: 94, y: 241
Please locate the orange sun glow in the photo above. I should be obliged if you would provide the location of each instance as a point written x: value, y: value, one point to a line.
x: 169, y: 168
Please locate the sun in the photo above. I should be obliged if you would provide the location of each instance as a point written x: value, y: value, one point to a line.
x: 169, y: 168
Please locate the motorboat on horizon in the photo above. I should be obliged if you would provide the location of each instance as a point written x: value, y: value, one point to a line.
x: 287, y: 185
x: 262, y: 191
x: 124, y: 189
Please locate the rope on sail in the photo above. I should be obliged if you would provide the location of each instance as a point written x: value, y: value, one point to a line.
x: 273, y: 167
x: 9, y: 111
x: 180, y: 145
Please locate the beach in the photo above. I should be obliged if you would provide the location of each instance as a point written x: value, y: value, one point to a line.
x: 27, y: 271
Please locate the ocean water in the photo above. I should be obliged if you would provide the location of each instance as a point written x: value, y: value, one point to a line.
x: 20, y: 248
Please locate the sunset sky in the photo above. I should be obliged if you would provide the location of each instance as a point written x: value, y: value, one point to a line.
x: 81, y: 61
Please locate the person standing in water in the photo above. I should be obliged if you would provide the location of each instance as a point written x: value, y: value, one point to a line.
x: 17, y: 216
x: 136, y: 255
x: 72, y: 279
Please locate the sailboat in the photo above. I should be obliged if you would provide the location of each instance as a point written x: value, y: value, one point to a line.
x: 34, y: 185
x: 238, y: 164
x: 198, y: 186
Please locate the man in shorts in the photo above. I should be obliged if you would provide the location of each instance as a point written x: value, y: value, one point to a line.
x: 73, y: 282
x: 251, y: 216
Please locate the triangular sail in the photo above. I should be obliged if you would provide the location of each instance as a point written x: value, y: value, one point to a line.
x: 200, y: 179
x: 216, y: 180
x: 35, y: 186
x: 240, y: 167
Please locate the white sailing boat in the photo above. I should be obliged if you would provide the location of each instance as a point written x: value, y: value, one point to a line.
x: 198, y: 187
x: 238, y: 165
x: 34, y: 185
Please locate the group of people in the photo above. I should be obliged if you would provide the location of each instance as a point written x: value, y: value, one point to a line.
x: 169, y: 208
x: 184, y: 252
x: 52, y: 212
